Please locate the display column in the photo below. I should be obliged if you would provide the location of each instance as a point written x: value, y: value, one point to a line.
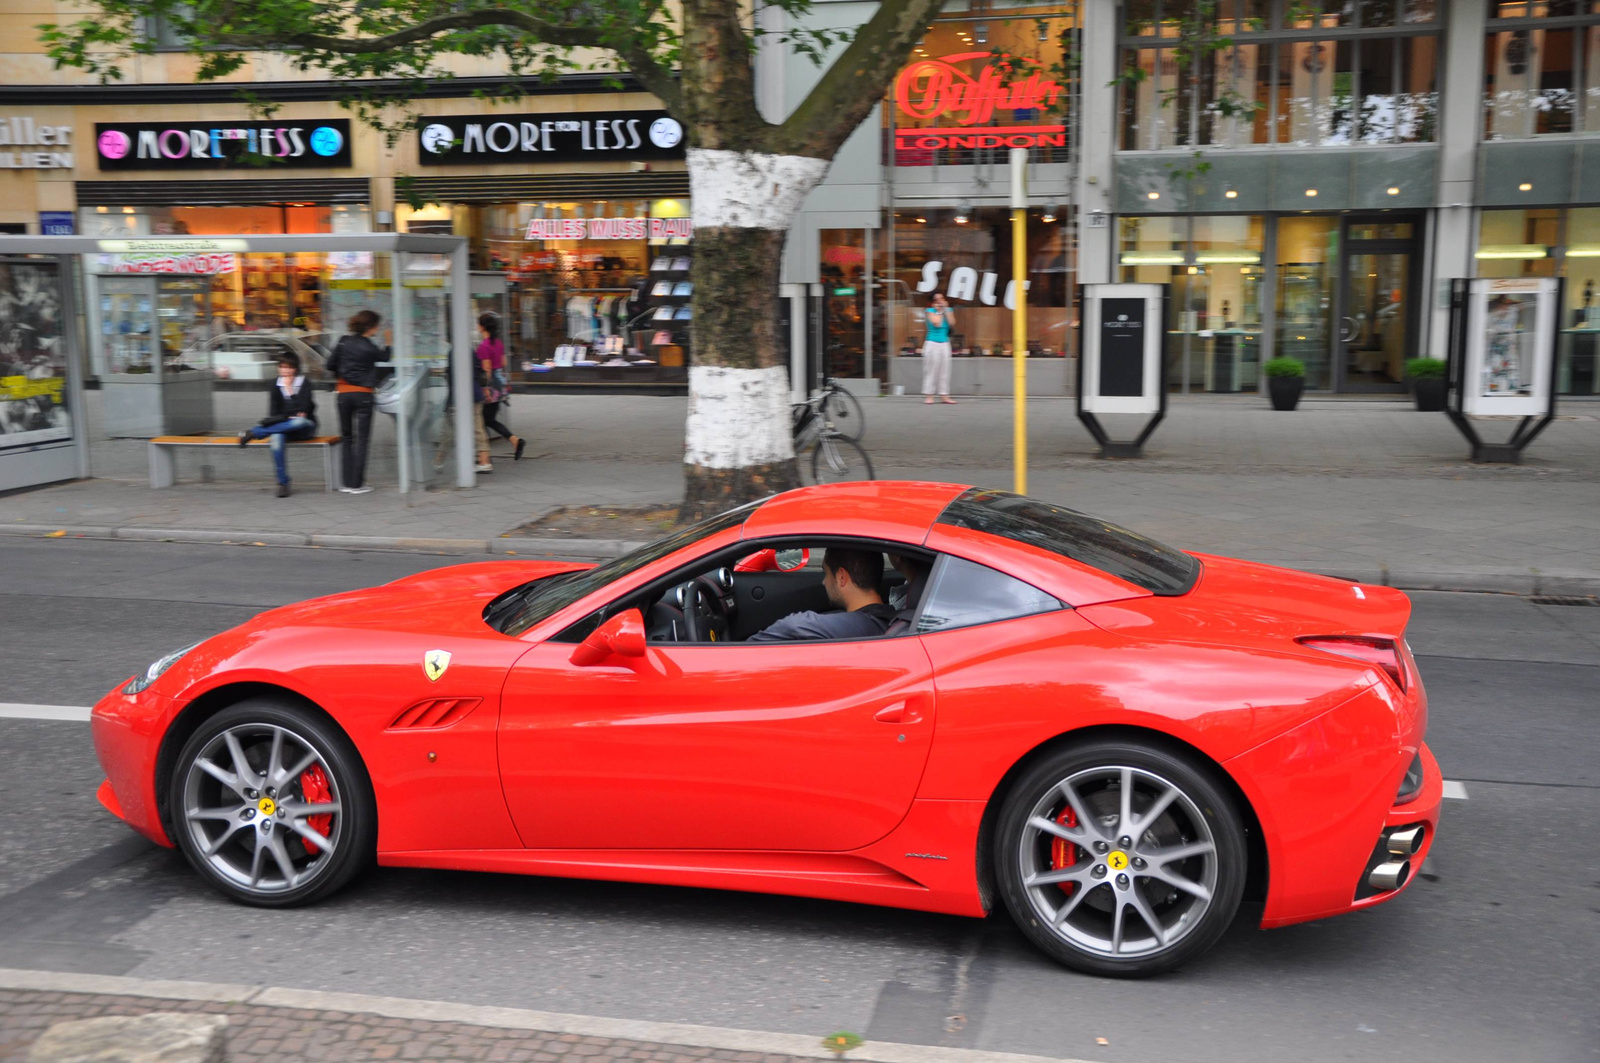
x: 1097, y: 141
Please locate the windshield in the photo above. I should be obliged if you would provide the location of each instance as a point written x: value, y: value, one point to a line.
x: 1127, y: 555
x: 518, y: 610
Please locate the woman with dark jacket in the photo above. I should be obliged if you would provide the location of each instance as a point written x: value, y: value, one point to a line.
x: 291, y: 414
x: 355, y: 370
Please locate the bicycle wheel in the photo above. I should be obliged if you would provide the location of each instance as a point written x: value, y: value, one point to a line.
x: 837, y: 459
x: 844, y: 411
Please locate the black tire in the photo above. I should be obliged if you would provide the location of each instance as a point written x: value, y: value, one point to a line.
x: 838, y: 459
x: 844, y: 411
x: 197, y: 798
x: 1089, y: 880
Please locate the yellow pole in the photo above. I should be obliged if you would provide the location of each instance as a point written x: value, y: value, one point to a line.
x: 1019, y: 319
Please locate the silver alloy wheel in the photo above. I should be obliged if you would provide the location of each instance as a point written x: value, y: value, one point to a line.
x: 247, y: 814
x: 1139, y: 845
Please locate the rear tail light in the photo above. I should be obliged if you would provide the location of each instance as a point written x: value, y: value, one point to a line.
x: 1381, y: 652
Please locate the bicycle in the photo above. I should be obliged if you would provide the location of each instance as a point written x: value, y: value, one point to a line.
x: 835, y: 457
x: 844, y: 410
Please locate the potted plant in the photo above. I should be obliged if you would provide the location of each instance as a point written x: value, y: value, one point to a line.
x: 1286, y: 379
x: 1428, y: 383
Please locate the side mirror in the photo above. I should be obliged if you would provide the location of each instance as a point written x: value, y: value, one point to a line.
x: 770, y: 560
x: 790, y: 560
x: 621, y: 636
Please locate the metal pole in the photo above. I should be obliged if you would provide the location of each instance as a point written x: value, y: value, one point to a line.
x: 1019, y: 320
x: 460, y: 366
x: 400, y: 362
x: 866, y: 317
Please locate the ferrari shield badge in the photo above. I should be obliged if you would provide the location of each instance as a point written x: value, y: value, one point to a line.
x: 434, y: 662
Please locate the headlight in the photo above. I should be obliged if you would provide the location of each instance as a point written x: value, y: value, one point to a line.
x: 153, y: 673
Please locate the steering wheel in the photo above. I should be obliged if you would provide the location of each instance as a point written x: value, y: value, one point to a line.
x: 694, y: 603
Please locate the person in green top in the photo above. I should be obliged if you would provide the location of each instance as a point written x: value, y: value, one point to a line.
x: 936, y: 351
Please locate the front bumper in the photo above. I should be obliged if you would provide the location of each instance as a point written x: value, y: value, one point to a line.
x: 1325, y: 794
x: 127, y: 731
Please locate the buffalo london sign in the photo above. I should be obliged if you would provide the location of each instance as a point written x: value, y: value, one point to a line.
x: 935, y: 89
x: 576, y: 137
x: 323, y: 143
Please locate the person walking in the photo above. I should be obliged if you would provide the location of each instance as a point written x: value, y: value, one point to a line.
x: 355, y: 370
x: 936, y: 351
x: 291, y: 414
x: 491, y: 356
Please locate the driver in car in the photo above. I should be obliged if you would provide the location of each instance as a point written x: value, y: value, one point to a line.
x: 851, y: 579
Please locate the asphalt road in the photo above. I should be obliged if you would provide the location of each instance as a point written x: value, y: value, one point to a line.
x: 1491, y: 956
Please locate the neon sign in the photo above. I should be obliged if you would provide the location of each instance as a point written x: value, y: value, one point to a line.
x: 933, y: 88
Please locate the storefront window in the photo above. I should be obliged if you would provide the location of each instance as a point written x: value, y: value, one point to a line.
x: 248, y: 292
x: 979, y: 84
x: 1264, y: 73
x: 1541, y: 77
x: 597, y: 290
x: 1553, y: 243
x: 970, y: 262
x: 1308, y: 251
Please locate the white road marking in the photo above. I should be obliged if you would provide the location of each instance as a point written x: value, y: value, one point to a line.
x: 1454, y: 791
x: 72, y: 713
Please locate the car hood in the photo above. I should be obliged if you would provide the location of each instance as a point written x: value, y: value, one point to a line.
x: 1243, y: 601
x: 440, y: 601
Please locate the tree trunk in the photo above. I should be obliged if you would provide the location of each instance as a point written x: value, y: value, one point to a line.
x: 737, y: 443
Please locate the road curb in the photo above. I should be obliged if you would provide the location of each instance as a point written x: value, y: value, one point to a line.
x: 1510, y: 581
x: 672, y: 1033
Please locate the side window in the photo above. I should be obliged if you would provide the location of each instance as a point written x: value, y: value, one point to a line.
x: 964, y: 593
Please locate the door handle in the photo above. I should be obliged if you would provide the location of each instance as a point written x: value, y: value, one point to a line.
x: 899, y: 712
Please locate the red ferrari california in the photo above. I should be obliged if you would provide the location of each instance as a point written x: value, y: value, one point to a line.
x: 911, y: 694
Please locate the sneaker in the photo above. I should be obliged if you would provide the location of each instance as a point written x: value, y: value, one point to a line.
x: 356, y: 490
x: 486, y: 467
x: 522, y: 445
x: 283, y: 490
x: 244, y: 437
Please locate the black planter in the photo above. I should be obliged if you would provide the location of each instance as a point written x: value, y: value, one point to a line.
x: 1429, y: 393
x: 1285, y: 391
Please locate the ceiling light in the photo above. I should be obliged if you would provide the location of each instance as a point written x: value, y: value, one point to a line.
x: 1049, y: 214
x: 922, y: 221
x: 1393, y: 190
x: 1311, y: 192
x: 1584, y: 251
x: 1193, y: 270
x: 1231, y: 194
x: 1211, y: 258
x: 1152, y: 195
x: 1152, y: 258
x: 1525, y: 187
x: 982, y: 32
x: 1512, y: 251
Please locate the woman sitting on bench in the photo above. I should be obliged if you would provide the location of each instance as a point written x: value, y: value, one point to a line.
x: 291, y: 414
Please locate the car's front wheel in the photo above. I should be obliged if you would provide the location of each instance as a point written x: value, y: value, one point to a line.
x: 1120, y: 859
x: 271, y: 804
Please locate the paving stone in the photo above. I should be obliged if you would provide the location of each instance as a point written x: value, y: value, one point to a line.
x: 156, y: 1037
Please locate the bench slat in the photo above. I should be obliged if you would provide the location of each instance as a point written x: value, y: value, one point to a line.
x: 233, y: 441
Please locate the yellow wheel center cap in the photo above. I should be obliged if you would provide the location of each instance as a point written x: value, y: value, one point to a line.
x: 267, y: 808
x: 1117, y: 860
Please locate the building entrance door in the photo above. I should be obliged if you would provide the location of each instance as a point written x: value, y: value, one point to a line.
x: 1378, y: 321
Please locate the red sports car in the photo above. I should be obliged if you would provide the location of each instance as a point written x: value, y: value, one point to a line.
x: 1116, y: 739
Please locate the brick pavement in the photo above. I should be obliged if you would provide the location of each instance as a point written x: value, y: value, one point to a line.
x: 258, y: 1034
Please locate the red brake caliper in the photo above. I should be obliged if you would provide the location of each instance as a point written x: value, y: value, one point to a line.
x: 314, y: 789
x: 1062, y: 852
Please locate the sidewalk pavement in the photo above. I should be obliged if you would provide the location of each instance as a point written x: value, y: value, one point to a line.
x: 1368, y: 489
x: 266, y: 1024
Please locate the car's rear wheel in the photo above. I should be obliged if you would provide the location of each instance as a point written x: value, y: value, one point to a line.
x: 271, y: 804
x: 1120, y: 859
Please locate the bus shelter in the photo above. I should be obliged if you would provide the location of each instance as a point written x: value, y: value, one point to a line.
x: 155, y: 318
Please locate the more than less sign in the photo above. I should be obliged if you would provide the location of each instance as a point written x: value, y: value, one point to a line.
x: 573, y: 137
x: 262, y: 146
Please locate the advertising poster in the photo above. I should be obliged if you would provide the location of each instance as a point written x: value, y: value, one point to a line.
x: 1511, y: 343
x: 33, y: 356
x: 1121, y: 366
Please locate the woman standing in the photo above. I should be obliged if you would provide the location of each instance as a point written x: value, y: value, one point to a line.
x: 936, y: 351
x: 491, y: 355
x: 355, y: 369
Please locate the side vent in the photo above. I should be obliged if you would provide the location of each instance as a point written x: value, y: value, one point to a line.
x: 435, y: 712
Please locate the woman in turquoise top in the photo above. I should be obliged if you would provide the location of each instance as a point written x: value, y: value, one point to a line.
x: 936, y: 351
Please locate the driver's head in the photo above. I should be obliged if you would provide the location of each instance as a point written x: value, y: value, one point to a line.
x: 847, y: 575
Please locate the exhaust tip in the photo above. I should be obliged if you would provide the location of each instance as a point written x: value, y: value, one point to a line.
x: 1406, y: 842
x: 1390, y: 876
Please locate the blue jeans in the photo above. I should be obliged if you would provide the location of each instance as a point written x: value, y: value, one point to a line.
x: 293, y: 428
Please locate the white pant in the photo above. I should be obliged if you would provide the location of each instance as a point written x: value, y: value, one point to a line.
x: 935, y: 368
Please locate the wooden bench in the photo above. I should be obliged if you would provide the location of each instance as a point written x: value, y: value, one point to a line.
x: 164, y: 458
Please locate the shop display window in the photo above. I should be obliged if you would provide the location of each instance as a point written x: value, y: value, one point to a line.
x: 1552, y: 242
x: 1278, y: 73
x: 970, y: 262
x: 595, y: 290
